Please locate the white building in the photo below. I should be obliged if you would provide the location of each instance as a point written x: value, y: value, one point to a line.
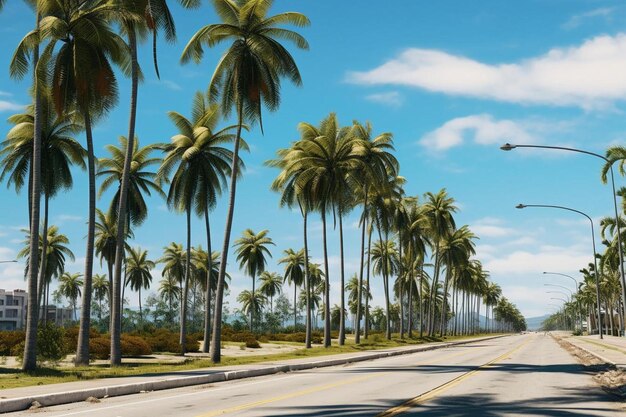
x: 13, y: 309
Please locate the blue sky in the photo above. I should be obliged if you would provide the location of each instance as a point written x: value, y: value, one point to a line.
x: 452, y: 80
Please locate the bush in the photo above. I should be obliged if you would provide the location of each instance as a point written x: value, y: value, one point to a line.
x: 134, y: 346
x: 9, y: 340
x: 163, y: 340
x: 50, y: 342
x: 252, y: 343
x: 99, y: 347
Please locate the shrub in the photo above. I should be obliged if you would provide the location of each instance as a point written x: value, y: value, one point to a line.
x: 163, y: 340
x: 134, y: 346
x: 252, y: 343
x: 99, y: 347
x: 50, y: 342
x: 10, y: 339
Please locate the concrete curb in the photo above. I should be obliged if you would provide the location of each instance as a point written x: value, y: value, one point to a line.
x: 47, y: 400
x: 600, y: 357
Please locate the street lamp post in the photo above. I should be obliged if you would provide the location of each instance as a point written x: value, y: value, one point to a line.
x: 565, y: 301
x: 509, y: 147
x: 564, y: 275
x: 571, y: 297
x: 593, y: 242
x: 6, y: 262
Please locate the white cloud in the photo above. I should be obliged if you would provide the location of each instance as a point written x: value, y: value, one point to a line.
x: 64, y: 218
x: 171, y: 85
x: 391, y: 98
x: 481, y: 129
x: 545, y: 259
x: 491, y: 227
x: 577, y: 20
x: 10, y: 106
x: 589, y: 75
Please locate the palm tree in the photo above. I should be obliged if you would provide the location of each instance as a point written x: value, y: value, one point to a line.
x: 57, y: 251
x: 251, y: 302
x: 439, y: 209
x: 138, y: 275
x: 100, y: 291
x: 456, y: 250
x: 69, y: 287
x: 29, y: 46
x: 141, y: 179
x: 385, y: 263
x: 177, y: 266
x: 271, y: 286
x: 83, y: 78
x: 201, y: 166
x: 256, y: 49
x: 153, y: 15
x: 105, y: 244
x: 378, y: 164
x: 170, y: 291
x: 59, y: 152
x: 251, y: 250
x: 294, y: 275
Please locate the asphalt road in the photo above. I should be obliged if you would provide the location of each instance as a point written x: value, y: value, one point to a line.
x: 527, y: 375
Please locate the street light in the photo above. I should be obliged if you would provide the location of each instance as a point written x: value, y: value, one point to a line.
x: 564, y: 275
x: 570, y: 297
x: 6, y: 262
x: 509, y: 147
x: 593, y: 242
x: 569, y: 300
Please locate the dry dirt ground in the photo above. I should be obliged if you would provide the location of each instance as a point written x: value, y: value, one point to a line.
x: 610, y: 379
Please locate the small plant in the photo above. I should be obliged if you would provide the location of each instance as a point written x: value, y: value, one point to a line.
x: 252, y: 343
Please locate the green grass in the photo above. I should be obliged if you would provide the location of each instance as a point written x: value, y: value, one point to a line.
x: 14, y: 378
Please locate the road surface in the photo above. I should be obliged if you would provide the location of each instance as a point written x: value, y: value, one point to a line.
x: 525, y: 375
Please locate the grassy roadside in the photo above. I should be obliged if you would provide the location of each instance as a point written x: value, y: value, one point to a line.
x: 14, y: 378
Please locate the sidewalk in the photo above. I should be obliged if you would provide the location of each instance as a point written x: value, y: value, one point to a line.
x: 54, y: 394
x: 610, y: 349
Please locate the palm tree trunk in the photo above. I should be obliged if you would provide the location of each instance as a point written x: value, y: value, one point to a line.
x: 110, y: 293
x: 342, y: 311
x: 216, y: 337
x: 444, y: 311
x: 357, y: 324
x: 433, y: 293
x: 307, y: 281
x: 401, y: 311
x: 420, y: 295
x: 410, y: 323
x: 327, y: 282
x: 183, y: 304
x: 29, y: 362
x: 44, y: 259
x: 401, y: 284
x: 252, y: 309
x: 140, y: 312
x: 116, y: 309
x: 207, y: 311
x: 295, y: 311
x: 82, y: 350
x: 366, y: 326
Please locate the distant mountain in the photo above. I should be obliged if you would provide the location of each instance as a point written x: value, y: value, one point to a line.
x: 534, y: 323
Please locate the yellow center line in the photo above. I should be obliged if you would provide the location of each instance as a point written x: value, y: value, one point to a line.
x: 422, y: 398
x: 317, y: 389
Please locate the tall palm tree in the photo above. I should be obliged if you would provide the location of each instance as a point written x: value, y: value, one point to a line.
x: 29, y: 48
x: 378, y: 164
x: 140, y: 16
x: 138, y: 274
x: 439, y: 209
x: 83, y: 78
x: 201, y: 165
x: 294, y: 275
x: 252, y: 252
x: 69, y: 287
x: 271, y: 286
x: 247, y: 76
x: 178, y: 266
x: 385, y: 263
x: 456, y: 250
x: 251, y: 302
